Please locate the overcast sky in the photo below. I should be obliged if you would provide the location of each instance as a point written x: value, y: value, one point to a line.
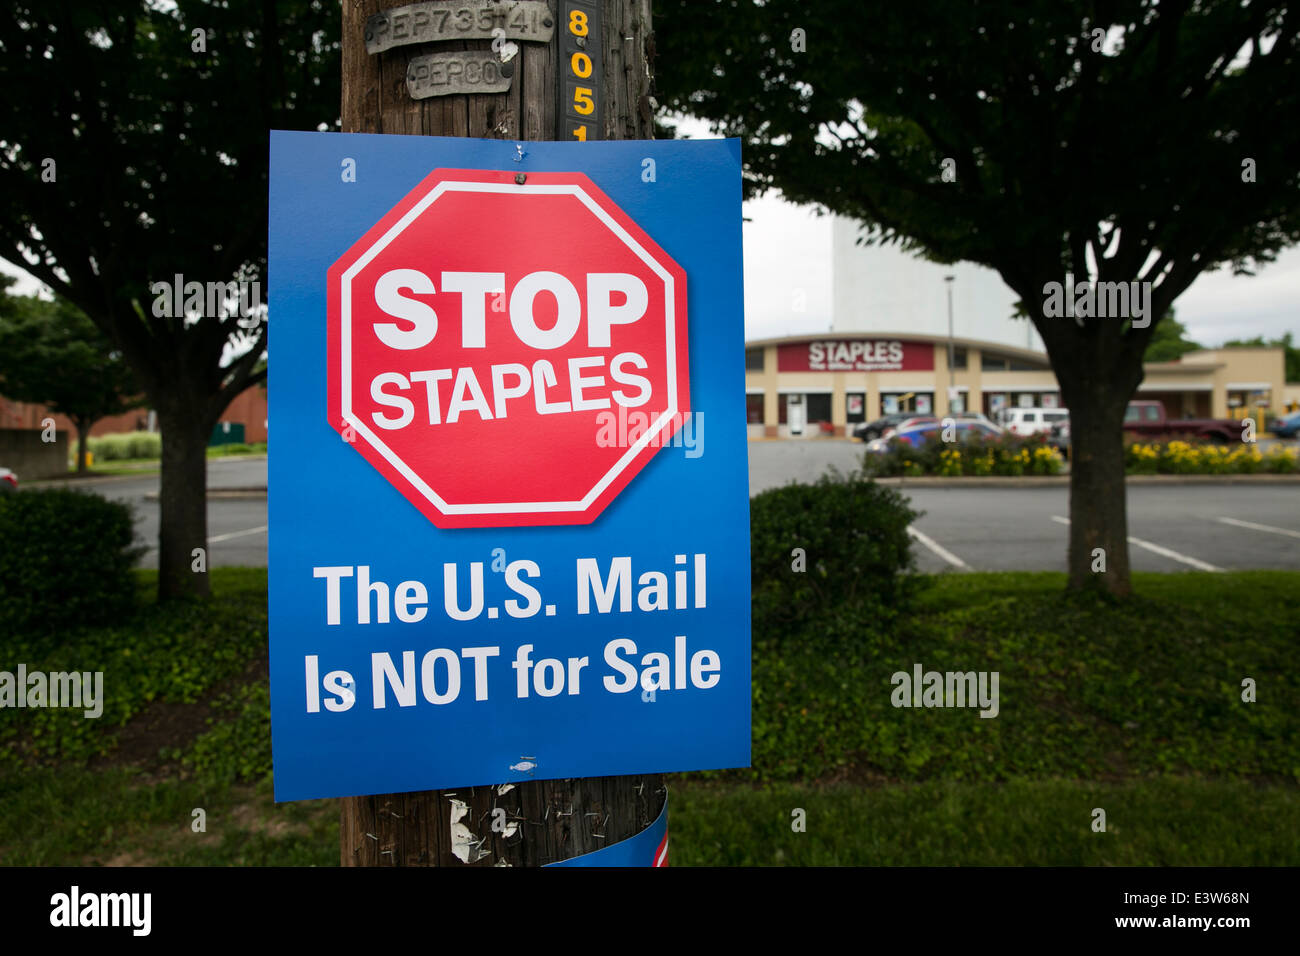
x: 789, y: 246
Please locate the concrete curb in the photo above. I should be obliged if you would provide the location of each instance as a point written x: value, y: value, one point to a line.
x: 82, y: 482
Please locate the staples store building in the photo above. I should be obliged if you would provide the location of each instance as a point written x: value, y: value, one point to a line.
x: 808, y: 386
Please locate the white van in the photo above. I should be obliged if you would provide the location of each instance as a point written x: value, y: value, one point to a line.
x: 1031, y: 421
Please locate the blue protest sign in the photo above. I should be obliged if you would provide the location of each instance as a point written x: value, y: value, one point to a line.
x: 508, y: 484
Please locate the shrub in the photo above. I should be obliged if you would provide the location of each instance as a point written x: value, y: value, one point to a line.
x: 65, y: 561
x: 239, y: 749
x: 1282, y: 461
x: 144, y: 445
x: 855, y: 548
x: 1140, y: 459
x: 107, y: 447
x: 125, y: 446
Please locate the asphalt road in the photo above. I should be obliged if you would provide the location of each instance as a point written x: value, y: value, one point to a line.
x: 1172, y: 527
x: 236, y: 526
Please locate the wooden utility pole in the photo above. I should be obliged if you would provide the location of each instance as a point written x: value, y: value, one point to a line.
x: 550, y: 820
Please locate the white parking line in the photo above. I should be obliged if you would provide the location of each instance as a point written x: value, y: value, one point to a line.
x: 237, y: 534
x: 938, y: 549
x: 1259, y: 527
x: 1162, y: 551
x: 227, y: 536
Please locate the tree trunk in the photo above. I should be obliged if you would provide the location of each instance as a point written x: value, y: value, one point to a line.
x: 83, y: 433
x: 555, y: 819
x: 543, y: 822
x: 183, y: 503
x: 1098, y: 498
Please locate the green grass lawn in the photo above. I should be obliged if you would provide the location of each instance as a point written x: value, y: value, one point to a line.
x: 127, y: 466
x: 1150, y: 822
x: 1089, y: 688
x: 1133, y: 707
x: 117, y: 816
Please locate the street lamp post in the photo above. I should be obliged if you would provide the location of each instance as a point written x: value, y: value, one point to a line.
x: 948, y: 279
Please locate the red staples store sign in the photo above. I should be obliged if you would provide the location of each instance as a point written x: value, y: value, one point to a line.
x: 861, y: 355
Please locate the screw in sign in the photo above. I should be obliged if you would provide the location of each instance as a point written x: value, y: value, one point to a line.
x: 477, y: 333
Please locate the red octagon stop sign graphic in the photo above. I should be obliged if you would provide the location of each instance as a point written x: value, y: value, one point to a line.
x: 484, y: 335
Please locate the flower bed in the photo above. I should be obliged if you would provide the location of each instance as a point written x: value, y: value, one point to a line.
x: 1188, y: 458
x: 1011, y: 455
x: 1008, y: 455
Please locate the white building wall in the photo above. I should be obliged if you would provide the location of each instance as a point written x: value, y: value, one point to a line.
x: 881, y: 289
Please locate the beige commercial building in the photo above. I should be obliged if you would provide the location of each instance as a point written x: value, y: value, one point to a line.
x: 810, y: 385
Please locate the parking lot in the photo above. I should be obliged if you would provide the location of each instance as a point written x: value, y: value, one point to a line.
x: 1173, y: 527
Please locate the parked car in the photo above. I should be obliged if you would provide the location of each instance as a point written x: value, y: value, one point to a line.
x: 1287, y: 426
x: 8, y: 481
x: 918, y: 434
x: 1059, y: 438
x: 1031, y: 421
x: 978, y: 417
x: 969, y: 431
x: 877, y: 428
x: 910, y: 422
x: 1147, y: 419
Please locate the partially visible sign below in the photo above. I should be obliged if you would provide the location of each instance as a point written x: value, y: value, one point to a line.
x: 445, y: 74
x: 466, y: 20
x: 647, y: 848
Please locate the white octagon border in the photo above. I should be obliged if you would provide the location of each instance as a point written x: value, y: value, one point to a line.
x: 507, y: 507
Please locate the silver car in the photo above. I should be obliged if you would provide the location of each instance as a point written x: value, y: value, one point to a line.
x: 979, y: 417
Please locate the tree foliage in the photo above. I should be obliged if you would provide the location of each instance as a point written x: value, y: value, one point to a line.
x: 1169, y: 341
x: 159, y: 157
x: 52, y: 354
x: 1133, y: 149
x: 1124, y: 141
x: 133, y: 149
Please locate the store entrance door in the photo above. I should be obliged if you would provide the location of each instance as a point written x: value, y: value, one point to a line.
x: 796, y: 414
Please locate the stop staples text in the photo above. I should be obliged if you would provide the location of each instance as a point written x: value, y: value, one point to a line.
x: 577, y: 385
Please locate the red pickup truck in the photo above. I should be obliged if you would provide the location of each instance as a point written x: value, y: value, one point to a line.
x: 1147, y: 418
